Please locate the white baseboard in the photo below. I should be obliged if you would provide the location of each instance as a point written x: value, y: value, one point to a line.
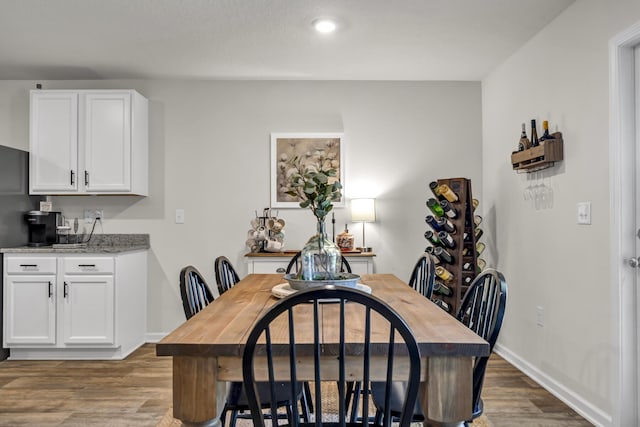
x: 591, y: 413
x: 153, y: 337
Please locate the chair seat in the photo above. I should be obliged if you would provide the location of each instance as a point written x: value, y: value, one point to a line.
x: 397, y: 397
x: 238, y: 397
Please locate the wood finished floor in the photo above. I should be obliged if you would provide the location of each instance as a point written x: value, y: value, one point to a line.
x: 137, y: 392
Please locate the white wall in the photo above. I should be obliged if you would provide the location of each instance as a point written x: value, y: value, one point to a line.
x: 209, y: 154
x: 561, y: 75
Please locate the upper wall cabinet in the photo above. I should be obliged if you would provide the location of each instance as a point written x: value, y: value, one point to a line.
x: 88, y: 142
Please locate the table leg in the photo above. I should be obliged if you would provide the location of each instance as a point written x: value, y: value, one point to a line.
x: 195, y: 391
x: 447, y: 395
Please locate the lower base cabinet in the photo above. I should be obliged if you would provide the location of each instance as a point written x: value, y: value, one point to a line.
x: 74, y: 306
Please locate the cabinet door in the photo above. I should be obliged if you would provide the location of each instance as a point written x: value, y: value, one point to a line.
x: 268, y: 266
x: 53, y: 140
x: 106, y: 122
x: 30, y: 309
x: 88, y: 310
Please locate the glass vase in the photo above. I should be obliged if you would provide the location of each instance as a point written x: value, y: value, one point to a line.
x: 320, y: 257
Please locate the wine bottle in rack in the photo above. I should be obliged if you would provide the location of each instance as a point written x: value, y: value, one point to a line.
x: 448, y: 193
x: 433, y: 185
x: 443, y: 255
x: 478, y: 232
x: 446, y: 239
x: 524, y: 143
x: 534, y: 134
x: 433, y: 222
x: 443, y: 305
x: 444, y: 274
x: 430, y: 250
x: 480, y: 248
x: 450, y: 212
x: 441, y: 289
x: 432, y: 237
x: 435, y: 207
x: 545, y: 133
x: 445, y: 225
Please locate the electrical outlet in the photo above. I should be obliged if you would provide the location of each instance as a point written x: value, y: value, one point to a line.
x: 91, y: 214
x: 540, y: 316
x: 179, y: 216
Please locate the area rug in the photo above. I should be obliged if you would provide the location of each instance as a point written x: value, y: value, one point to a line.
x: 330, y: 405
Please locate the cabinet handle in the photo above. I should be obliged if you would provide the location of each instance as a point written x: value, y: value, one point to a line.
x: 86, y: 178
x: 73, y: 177
x: 86, y: 265
x: 29, y: 265
x: 50, y: 289
x: 281, y: 270
x: 66, y: 289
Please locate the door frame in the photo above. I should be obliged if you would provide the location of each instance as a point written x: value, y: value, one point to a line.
x: 622, y: 177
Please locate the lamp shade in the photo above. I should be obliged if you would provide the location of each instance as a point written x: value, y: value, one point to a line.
x: 363, y: 210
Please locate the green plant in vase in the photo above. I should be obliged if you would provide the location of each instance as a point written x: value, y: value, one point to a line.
x: 314, y: 182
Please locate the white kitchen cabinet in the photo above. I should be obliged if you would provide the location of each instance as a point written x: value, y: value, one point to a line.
x: 266, y: 263
x: 88, y: 142
x: 88, y: 301
x: 81, y: 306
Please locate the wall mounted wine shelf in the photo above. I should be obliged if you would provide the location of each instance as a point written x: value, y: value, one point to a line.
x: 540, y: 157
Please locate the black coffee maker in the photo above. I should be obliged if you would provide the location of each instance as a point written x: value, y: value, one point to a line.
x: 42, y: 227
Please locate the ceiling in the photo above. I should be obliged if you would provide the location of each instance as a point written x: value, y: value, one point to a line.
x: 264, y: 39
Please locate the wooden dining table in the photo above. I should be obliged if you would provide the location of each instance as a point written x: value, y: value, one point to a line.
x: 207, y: 349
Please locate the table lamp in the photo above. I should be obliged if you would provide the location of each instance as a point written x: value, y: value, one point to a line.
x: 363, y: 210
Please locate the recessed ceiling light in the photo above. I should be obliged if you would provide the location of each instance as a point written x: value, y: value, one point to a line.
x: 324, y: 25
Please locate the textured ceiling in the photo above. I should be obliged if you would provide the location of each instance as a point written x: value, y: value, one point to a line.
x: 264, y: 39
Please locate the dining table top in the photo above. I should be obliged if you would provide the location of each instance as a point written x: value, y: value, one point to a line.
x: 221, y: 328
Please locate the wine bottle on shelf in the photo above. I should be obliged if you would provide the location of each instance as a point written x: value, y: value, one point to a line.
x: 444, y: 274
x: 450, y: 212
x: 475, y: 203
x: 467, y: 280
x: 435, y: 189
x: 448, y: 193
x: 441, y: 289
x: 524, y: 143
x: 433, y: 222
x: 446, y: 225
x: 481, y: 264
x: 478, y: 232
x: 477, y: 220
x: 534, y: 134
x: 446, y: 239
x: 432, y: 237
x: 443, y: 305
x: 443, y: 255
x: 430, y: 250
x: 435, y: 207
x: 479, y: 248
x: 545, y: 134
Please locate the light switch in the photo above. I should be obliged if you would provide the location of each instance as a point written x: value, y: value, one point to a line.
x: 584, y: 213
x: 179, y: 216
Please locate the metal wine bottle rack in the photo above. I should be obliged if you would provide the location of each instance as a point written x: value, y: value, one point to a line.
x: 464, y: 224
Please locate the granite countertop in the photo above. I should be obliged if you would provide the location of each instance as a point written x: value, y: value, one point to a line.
x: 99, y: 244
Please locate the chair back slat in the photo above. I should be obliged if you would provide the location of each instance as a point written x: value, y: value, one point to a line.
x: 339, y: 297
x: 482, y: 310
x: 423, y: 276
x: 226, y: 275
x: 194, y: 291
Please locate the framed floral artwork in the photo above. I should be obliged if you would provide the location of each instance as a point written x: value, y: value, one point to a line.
x: 310, y: 148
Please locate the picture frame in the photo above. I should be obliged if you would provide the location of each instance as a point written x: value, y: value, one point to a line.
x: 285, y: 146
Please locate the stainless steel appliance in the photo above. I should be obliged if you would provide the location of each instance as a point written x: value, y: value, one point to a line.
x: 14, y: 201
x: 42, y: 227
